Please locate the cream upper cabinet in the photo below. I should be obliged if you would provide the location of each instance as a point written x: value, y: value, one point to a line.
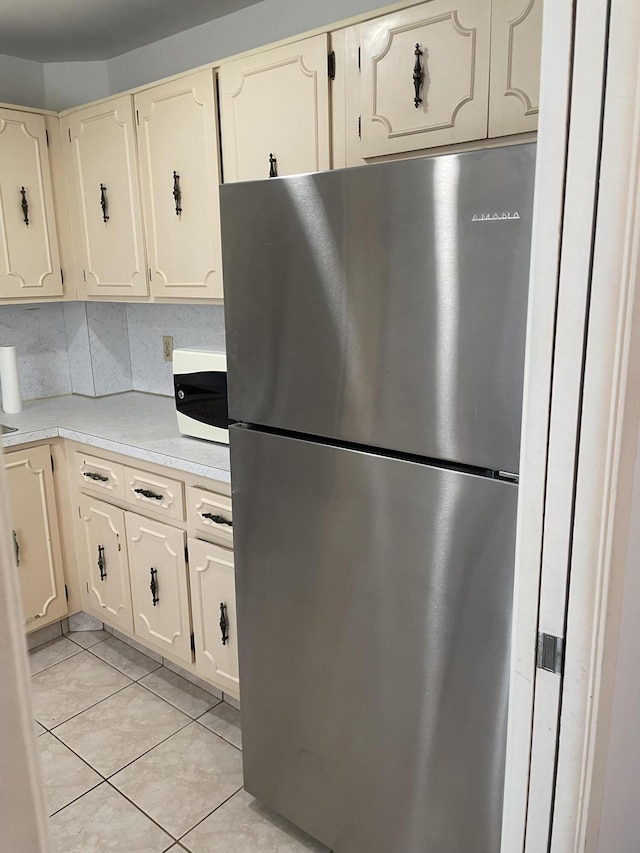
x: 29, y: 258
x: 425, y: 76
x: 516, y: 41
x: 36, y: 539
x: 159, y: 588
x: 104, y: 564
x: 178, y: 150
x: 107, y: 198
x: 213, y: 601
x: 274, y: 108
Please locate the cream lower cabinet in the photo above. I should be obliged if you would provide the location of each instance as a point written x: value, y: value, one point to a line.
x: 213, y: 602
x: 274, y: 109
x: 177, y: 135
x: 29, y: 259
x: 36, y: 538
x: 425, y: 76
x: 101, y: 146
x: 105, y: 564
x: 159, y: 586
x: 516, y: 42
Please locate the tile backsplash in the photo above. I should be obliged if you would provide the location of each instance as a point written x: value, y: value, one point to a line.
x: 103, y: 348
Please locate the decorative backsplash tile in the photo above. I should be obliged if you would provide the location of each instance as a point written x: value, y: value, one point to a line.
x: 109, y: 345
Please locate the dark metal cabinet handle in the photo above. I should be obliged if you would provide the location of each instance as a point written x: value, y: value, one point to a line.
x: 153, y: 586
x: 273, y: 166
x: 104, y: 204
x: 224, y: 623
x: 24, y: 204
x: 418, y: 76
x: 148, y: 494
x: 218, y: 519
x: 16, y: 547
x: 101, y: 563
x: 93, y: 476
x: 177, y: 194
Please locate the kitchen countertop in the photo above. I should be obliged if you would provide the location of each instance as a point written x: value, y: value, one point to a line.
x: 135, y: 424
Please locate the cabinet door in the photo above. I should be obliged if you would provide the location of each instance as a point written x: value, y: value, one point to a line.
x: 274, y: 110
x: 516, y: 43
x: 178, y: 148
x: 213, y: 599
x: 159, y: 590
x: 29, y: 259
x: 107, y: 198
x: 35, y: 534
x: 425, y: 76
x: 104, y: 563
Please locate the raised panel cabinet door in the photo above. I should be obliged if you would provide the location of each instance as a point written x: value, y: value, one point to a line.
x: 36, y: 539
x: 29, y: 258
x: 159, y: 589
x: 104, y: 563
x: 213, y: 601
x: 108, y: 198
x: 274, y: 109
x: 516, y: 44
x: 425, y: 76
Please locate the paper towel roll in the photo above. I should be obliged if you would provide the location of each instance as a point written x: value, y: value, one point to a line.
x: 11, y: 402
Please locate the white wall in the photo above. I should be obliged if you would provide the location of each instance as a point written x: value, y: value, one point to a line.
x: 67, y: 84
x: 21, y: 81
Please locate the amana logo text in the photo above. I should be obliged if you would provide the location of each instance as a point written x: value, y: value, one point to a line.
x: 486, y: 217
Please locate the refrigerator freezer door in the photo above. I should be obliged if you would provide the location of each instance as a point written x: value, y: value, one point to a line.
x: 384, y: 305
x: 374, y: 606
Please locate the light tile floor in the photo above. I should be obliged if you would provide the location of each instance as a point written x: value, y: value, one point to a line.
x: 135, y: 758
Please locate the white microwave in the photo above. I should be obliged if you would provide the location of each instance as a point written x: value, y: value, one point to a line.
x: 200, y: 390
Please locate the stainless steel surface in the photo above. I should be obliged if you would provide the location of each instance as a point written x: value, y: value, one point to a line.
x: 374, y: 600
x: 384, y: 305
x: 4, y: 429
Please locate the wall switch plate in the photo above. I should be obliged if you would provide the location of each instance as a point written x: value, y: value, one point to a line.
x: 167, y: 347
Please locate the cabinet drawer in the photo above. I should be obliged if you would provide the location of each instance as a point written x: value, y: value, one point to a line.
x: 151, y: 491
x: 100, y: 476
x: 210, y: 514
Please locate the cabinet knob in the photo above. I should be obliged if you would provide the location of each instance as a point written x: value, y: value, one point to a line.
x: 101, y: 563
x: 418, y: 76
x: 177, y: 194
x: 273, y: 166
x: 224, y: 623
x: 104, y: 204
x: 24, y: 204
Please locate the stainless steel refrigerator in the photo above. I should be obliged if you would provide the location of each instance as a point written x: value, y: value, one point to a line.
x: 375, y: 344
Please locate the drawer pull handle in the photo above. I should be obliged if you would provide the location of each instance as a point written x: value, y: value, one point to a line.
x: 273, y: 166
x: 224, y: 623
x: 16, y: 547
x: 177, y: 194
x: 24, y: 204
x: 217, y: 519
x: 104, y: 204
x: 153, y: 586
x: 418, y: 75
x: 97, y: 477
x: 148, y: 494
x: 101, y: 563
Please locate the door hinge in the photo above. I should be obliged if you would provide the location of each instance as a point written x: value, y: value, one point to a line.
x: 186, y: 554
x: 359, y: 59
x: 52, y: 466
x: 84, y: 275
x: 550, y: 653
x: 331, y: 65
x: 69, y: 132
x: 61, y: 276
x: 46, y: 135
x: 360, y: 126
x: 193, y: 643
x: 66, y: 592
x: 137, y: 118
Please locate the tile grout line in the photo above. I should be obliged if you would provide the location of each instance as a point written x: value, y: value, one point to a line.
x: 219, y: 806
x: 142, y: 811
x: 222, y: 737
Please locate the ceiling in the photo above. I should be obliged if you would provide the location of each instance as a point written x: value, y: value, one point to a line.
x: 78, y: 30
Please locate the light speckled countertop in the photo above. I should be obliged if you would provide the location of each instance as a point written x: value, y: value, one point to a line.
x: 143, y: 426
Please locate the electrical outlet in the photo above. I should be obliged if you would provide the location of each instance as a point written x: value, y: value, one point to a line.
x: 167, y: 347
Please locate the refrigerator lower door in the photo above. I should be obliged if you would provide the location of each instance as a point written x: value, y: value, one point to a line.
x: 374, y: 607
